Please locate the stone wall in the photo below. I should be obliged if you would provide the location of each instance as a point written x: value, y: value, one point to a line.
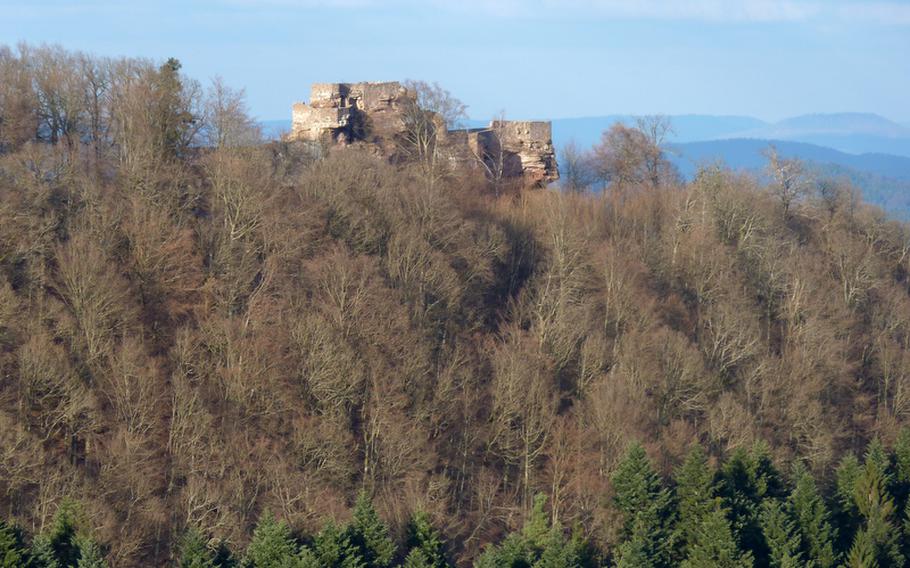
x: 344, y: 113
x: 347, y: 112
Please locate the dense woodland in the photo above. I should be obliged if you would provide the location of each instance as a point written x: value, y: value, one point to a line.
x: 216, y: 351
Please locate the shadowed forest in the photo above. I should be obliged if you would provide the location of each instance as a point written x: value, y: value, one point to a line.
x: 216, y: 351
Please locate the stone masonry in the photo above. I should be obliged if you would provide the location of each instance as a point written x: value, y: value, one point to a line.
x: 345, y: 113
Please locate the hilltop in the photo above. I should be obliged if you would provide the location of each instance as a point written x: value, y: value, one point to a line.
x: 218, y: 348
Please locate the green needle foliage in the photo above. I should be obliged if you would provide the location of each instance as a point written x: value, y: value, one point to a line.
x: 781, y: 537
x: 272, y: 545
x: 13, y: 552
x: 195, y: 552
x: 426, y: 546
x: 369, y: 535
x: 715, y: 546
x: 817, y: 537
x: 695, y: 495
x: 647, y: 511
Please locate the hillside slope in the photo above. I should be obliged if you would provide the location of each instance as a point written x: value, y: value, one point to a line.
x: 200, y: 333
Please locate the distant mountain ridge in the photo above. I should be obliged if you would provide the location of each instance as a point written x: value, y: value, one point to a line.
x: 747, y: 153
x: 855, y: 133
x: 883, y: 179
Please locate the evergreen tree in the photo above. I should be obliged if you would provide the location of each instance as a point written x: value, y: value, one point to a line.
x: 559, y: 553
x: 194, y: 552
x: 57, y: 547
x: 90, y: 554
x: 13, y: 553
x: 812, y: 520
x: 332, y: 548
x: 647, y: 509
x: 876, y: 506
x: 638, y: 548
x: 695, y: 493
x: 224, y: 558
x: 901, y: 483
x: 369, y: 535
x: 272, y: 545
x: 877, y: 457
x: 781, y: 537
x: 173, y: 119
x: 846, y: 515
x: 747, y: 479
x: 862, y: 553
x: 536, y: 528
x: 513, y: 552
x: 537, y: 545
x: 715, y: 546
x: 901, y: 479
x: 425, y: 544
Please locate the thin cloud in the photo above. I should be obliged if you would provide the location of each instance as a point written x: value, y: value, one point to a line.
x: 884, y: 12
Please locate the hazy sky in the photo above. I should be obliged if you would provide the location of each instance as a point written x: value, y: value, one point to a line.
x: 530, y: 58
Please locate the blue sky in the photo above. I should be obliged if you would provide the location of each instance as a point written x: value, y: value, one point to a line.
x: 530, y: 58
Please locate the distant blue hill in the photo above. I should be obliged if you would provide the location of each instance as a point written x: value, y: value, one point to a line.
x: 748, y: 154
x: 587, y: 131
x: 883, y: 179
x: 856, y: 133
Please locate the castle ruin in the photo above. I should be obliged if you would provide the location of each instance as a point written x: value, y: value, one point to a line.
x: 374, y: 113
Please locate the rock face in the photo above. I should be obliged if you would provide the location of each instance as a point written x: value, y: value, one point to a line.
x: 527, y: 148
x: 344, y: 113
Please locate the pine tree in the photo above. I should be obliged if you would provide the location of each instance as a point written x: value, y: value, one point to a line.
x: 862, y: 553
x: 901, y: 481
x: 747, y: 479
x: 425, y: 544
x: 194, y: 552
x: 812, y: 520
x: 638, y: 548
x: 695, y: 492
x: 877, y: 457
x: 647, y: 509
x: 846, y: 515
x: 272, y: 545
x: 558, y: 552
x: 13, y: 553
x: 536, y: 528
x: 90, y: 554
x: 538, y: 544
x: 332, y: 548
x: 781, y: 536
x: 513, y: 552
x: 370, y: 535
x: 902, y: 463
x: 635, y: 483
x: 876, y: 506
x: 714, y: 545
x: 57, y: 547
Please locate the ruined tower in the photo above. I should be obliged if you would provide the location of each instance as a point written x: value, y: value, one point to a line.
x: 374, y: 113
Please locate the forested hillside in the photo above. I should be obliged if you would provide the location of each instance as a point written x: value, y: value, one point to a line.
x: 215, y: 350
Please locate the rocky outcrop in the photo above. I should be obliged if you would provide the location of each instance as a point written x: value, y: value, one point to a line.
x: 532, y: 144
x: 374, y: 113
x: 347, y: 112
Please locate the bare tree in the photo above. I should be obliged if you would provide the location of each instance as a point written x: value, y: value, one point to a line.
x: 576, y: 167
x: 427, y: 119
x: 227, y: 118
x: 789, y: 178
x: 434, y: 98
x: 629, y: 156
